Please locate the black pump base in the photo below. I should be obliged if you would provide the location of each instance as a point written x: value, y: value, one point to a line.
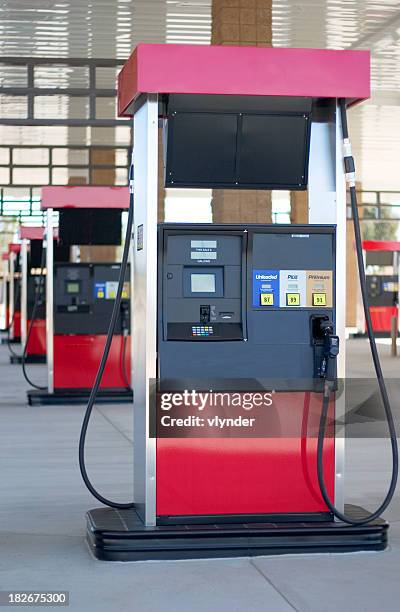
x: 119, y: 535
x: 78, y: 396
x: 13, y: 341
x: 17, y: 359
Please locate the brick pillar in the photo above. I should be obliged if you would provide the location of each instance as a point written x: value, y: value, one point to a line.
x: 100, y: 176
x: 298, y: 207
x: 103, y: 157
x: 244, y: 23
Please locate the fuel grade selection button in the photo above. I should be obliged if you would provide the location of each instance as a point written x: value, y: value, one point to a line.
x: 267, y: 299
x: 293, y: 299
x: 319, y: 299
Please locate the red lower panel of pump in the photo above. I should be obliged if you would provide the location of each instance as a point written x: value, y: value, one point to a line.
x: 37, y: 338
x: 77, y: 358
x: 382, y: 317
x: 17, y: 324
x: 224, y: 476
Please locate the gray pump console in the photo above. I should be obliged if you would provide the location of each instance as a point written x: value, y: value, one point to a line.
x: 244, y: 301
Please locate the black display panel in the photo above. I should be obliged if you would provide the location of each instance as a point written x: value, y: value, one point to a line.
x: 238, y: 142
x: 35, y: 256
x: 273, y: 150
x: 197, y: 140
x: 379, y: 258
x: 61, y: 253
x: 90, y: 226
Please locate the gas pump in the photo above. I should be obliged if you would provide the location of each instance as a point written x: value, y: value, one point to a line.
x: 33, y: 308
x: 80, y: 298
x: 220, y: 309
x: 4, y: 293
x: 382, y: 277
x: 13, y: 310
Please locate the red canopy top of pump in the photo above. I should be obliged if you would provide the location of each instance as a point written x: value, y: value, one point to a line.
x: 14, y: 248
x: 85, y: 197
x: 27, y: 232
x: 31, y: 233
x: 381, y: 245
x: 255, y: 71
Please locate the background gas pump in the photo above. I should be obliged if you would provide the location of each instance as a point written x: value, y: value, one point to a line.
x: 80, y: 296
x: 13, y: 309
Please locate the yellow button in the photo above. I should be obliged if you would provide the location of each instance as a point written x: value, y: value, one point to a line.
x: 293, y: 299
x: 267, y: 299
x: 100, y: 294
x: 319, y: 299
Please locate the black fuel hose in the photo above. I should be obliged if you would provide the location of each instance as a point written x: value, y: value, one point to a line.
x: 5, y: 330
x: 100, y: 371
x: 349, y: 164
x: 9, y: 326
x: 32, y: 322
x: 124, y: 372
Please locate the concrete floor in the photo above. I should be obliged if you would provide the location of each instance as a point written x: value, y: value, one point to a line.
x: 43, y: 503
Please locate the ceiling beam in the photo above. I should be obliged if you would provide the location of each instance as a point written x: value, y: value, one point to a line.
x: 388, y: 27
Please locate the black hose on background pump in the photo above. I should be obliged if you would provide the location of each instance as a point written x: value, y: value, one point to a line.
x: 38, y: 294
x: 9, y: 326
x: 30, y: 328
x: 100, y: 371
x: 329, y: 382
x: 6, y: 329
x: 125, y: 337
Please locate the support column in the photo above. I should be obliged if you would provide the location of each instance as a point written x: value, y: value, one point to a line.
x: 299, y: 207
x: 99, y: 176
x: 161, y: 189
x: 49, y: 245
x: 244, y: 23
x: 24, y: 291
x: 11, y: 298
x: 101, y: 172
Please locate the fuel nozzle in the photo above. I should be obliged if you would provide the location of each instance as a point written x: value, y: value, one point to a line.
x: 125, y: 317
x: 330, y: 350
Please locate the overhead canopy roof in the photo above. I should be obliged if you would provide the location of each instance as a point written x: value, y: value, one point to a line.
x: 256, y: 71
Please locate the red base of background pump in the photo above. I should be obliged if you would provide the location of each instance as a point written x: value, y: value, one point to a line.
x: 77, y: 358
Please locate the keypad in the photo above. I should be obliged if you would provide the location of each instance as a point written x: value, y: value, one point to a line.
x: 202, y: 330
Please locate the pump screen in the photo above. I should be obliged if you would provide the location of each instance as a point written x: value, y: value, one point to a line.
x: 72, y: 287
x: 202, y: 283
